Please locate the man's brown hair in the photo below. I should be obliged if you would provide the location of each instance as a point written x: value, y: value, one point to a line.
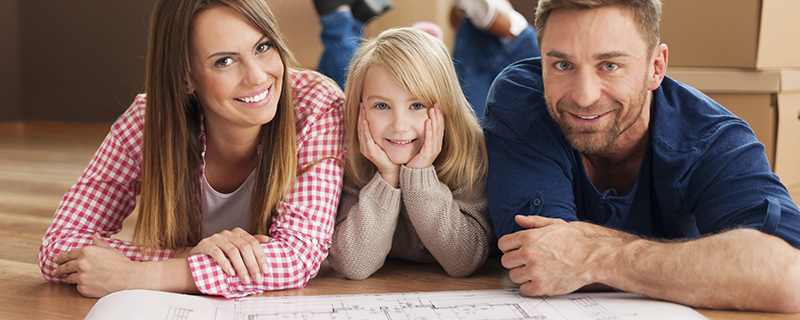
x: 646, y: 14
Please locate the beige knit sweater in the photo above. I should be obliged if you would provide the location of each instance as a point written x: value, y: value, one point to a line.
x: 422, y: 221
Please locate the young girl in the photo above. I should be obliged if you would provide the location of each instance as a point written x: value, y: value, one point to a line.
x: 224, y: 154
x: 417, y: 162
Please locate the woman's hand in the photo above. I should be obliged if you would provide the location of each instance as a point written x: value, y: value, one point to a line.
x: 237, y: 252
x: 98, y: 269
x: 390, y: 171
x: 434, y: 133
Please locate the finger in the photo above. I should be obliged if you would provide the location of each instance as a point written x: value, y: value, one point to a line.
x: 438, y: 125
x: 250, y: 249
x: 533, y: 289
x: 97, y: 240
x: 72, y: 278
x: 262, y: 238
x: 518, y: 275
x: 235, y: 258
x: 511, y: 241
x: 532, y: 222
x: 262, y: 258
x: 67, y: 256
x: 65, y: 269
x: 213, y: 250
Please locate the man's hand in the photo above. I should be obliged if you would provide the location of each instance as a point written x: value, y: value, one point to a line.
x: 551, y: 257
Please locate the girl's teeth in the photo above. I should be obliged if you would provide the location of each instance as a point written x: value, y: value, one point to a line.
x: 401, y: 142
x: 254, y: 99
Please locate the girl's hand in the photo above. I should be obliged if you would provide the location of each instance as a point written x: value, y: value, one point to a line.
x: 236, y: 252
x: 434, y: 133
x: 389, y: 170
x: 98, y: 269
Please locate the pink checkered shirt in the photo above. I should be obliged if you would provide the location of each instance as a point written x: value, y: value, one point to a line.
x: 105, y: 195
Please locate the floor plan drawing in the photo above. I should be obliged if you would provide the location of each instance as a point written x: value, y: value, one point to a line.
x: 442, y: 305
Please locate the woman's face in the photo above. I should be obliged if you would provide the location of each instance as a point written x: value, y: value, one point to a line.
x: 235, y: 70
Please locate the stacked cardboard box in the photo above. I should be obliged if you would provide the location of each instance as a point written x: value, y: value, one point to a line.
x: 745, y: 54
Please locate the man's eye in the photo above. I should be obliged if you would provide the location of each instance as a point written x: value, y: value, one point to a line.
x: 224, y: 62
x: 417, y: 106
x: 561, y: 65
x: 264, y: 47
x: 610, y: 66
x: 382, y: 106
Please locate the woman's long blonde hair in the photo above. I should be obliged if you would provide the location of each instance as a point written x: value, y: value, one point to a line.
x: 422, y: 65
x: 170, y: 205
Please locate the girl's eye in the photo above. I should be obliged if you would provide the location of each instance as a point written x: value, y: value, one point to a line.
x: 264, y: 47
x: 417, y: 106
x: 561, y: 65
x: 224, y: 62
x: 610, y: 66
x: 382, y: 106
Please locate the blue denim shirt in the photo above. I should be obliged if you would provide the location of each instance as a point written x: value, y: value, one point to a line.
x: 703, y: 172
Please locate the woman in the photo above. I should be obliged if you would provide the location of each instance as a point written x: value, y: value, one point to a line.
x: 232, y: 154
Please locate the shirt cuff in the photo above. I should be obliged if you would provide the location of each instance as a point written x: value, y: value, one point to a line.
x: 415, y: 179
x: 380, y: 191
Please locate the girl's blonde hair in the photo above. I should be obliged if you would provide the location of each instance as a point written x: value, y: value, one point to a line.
x: 422, y: 65
x: 170, y: 208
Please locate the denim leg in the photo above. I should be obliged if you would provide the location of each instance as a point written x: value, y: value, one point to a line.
x: 341, y: 35
x: 479, y: 57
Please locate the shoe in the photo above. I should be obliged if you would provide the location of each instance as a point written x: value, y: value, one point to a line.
x: 364, y: 10
x: 327, y: 6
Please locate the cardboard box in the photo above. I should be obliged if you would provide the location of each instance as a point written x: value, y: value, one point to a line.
x: 756, y: 34
x: 768, y: 100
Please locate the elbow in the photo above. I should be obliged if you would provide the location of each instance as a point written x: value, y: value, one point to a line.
x: 462, y: 271
x: 353, y: 272
x: 47, y: 266
x: 787, y: 297
x: 353, y: 268
x: 786, y: 292
x: 786, y: 300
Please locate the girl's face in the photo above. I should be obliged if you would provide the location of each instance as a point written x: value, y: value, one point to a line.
x: 396, y: 118
x: 236, y: 72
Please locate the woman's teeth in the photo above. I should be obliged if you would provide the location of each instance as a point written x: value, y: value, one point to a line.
x: 254, y: 99
x: 401, y: 141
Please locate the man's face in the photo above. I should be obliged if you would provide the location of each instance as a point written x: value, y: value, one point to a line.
x: 597, y: 75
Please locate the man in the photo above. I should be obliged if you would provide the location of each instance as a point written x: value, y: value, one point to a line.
x: 594, y: 155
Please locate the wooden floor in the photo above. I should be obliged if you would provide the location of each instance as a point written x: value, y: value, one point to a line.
x: 38, y: 163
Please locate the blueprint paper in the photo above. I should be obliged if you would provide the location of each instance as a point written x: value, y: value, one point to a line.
x: 456, y: 305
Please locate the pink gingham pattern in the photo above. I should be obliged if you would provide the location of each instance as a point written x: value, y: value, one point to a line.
x: 105, y: 194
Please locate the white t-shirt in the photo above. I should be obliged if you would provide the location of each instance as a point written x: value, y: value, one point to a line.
x: 226, y: 211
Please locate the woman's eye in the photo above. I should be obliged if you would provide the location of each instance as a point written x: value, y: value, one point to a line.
x: 561, y: 65
x: 417, y: 106
x: 382, y: 106
x: 263, y: 47
x: 610, y: 66
x: 224, y: 62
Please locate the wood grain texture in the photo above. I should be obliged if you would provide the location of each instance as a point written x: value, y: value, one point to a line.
x: 40, y: 161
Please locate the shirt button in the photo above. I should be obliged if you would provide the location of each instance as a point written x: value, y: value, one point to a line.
x: 537, y: 202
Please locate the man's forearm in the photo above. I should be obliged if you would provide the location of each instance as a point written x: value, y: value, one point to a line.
x: 738, y: 269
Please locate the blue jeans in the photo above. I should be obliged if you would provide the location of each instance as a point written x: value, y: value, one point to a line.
x: 341, y: 35
x: 480, y: 56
